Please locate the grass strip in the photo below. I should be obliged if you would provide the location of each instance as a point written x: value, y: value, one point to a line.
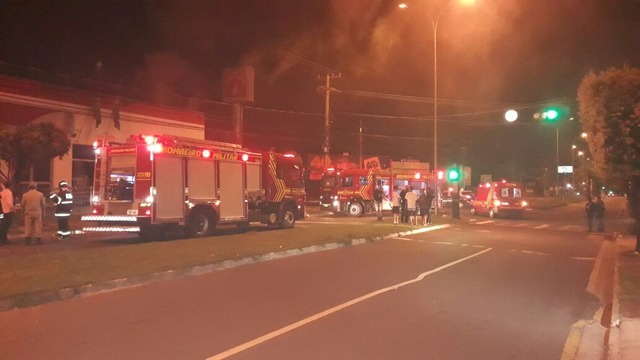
x: 22, y: 274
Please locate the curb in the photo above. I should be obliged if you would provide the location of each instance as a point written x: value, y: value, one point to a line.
x: 40, y: 298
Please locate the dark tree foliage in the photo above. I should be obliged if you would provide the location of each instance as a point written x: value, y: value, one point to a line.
x: 610, y: 115
x: 28, y: 145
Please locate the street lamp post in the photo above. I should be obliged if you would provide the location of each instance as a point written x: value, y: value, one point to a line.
x: 434, y: 26
x: 573, y: 166
x: 557, y: 159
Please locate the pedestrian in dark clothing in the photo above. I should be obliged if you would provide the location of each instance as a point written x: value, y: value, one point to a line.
x: 64, y: 201
x: 424, y: 204
x: 589, y: 208
x: 598, y: 214
x: 6, y: 211
x: 378, y: 196
x: 430, y: 197
x: 404, y: 214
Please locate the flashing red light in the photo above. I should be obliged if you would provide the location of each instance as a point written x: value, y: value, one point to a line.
x: 331, y: 169
x: 289, y: 155
x: 206, y: 153
x: 417, y: 176
x: 155, y: 148
x: 97, y: 144
x: 149, y: 139
x: 245, y: 157
x: 440, y: 174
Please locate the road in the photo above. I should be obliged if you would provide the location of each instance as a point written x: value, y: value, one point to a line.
x: 486, y: 289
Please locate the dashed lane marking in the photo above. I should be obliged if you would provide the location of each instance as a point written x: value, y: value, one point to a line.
x: 320, y: 315
x: 541, y: 226
x: 407, y: 239
x: 582, y: 258
x: 529, y: 252
x: 485, y: 222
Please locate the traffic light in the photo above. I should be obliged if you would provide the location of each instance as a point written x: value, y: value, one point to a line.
x: 555, y: 113
x: 453, y: 174
x: 550, y: 114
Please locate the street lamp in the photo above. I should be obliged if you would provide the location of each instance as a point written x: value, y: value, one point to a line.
x: 434, y: 25
x: 573, y: 167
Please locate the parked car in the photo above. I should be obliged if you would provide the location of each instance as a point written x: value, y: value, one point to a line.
x: 467, y: 196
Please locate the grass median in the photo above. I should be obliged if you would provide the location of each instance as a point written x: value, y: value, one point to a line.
x: 21, y: 275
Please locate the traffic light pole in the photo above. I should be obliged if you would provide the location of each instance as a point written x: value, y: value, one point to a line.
x: 455, y: 204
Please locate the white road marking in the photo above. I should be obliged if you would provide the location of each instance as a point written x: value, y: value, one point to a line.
x: 541, y: 226
x: 485, y: 222
x: 529, y: 252
x: 582, y: 258
x: 407, y: 239
x: 520, y: 224
x: 320, y: 315
x: 484, y: 231
x: 443, y: 242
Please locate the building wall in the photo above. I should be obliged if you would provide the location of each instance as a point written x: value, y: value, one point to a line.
x: 25, y: 101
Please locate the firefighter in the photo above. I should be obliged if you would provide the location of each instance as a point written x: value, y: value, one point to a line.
x: 63, y: 200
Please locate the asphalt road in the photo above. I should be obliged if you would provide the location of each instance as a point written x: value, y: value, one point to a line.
x: 486, y: 289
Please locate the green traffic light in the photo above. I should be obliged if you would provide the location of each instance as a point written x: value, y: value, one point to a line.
x: 551, y: 114
x: 453, y: 175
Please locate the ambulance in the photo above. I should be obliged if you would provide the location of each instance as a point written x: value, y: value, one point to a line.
x: 499, y: 199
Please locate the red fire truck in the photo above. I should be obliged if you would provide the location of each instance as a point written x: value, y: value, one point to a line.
x: 353, y: 190
x: 153, y: 182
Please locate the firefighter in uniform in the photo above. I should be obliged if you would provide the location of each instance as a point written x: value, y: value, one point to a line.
x: 63, y: 200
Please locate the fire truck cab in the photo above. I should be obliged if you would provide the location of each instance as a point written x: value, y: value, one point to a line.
x: 152, y: 182
x: 353, y: 191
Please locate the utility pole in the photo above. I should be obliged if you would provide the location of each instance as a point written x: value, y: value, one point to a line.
x: 360, y: 140
x: 327, y: 124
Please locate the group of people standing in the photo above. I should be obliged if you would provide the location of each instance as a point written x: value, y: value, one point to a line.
x: 595, y: 214
x: 406, y: 205
x: 33, y: 209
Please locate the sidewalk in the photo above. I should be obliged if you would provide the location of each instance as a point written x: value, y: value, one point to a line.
x: 624, y: 337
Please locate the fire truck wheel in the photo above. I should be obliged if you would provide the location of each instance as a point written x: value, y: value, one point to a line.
x: 355, y: 209
x: 492, y: 214
x: 288, y: 219
x: 200, y: 224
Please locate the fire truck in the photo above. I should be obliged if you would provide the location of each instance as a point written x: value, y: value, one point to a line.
x: 353, y: 190
x: 154, y: 182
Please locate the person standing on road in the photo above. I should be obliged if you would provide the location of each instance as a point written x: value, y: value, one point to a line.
x: 378, y: 196
x: 424, y: 204
x: 411, y: 198
x: 33, y: 207
x: 598, y: 214
x: 589, y: 208
x: 395, y: 205
x: 6, y: 211
x: 63, y: 200
x: 403, y: 205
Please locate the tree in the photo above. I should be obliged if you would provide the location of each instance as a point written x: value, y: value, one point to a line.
x: 28, y: 145
x: 610, y: 115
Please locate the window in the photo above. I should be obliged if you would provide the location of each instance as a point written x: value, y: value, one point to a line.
x: 291, y: 174
x: 347, y: 181
x: 121, y: 178
x: 364, y: 180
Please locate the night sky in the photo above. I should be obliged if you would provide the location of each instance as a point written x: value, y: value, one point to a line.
x: 493, y: 55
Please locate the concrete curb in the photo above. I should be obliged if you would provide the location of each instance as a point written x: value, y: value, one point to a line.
x: 40, y: 298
